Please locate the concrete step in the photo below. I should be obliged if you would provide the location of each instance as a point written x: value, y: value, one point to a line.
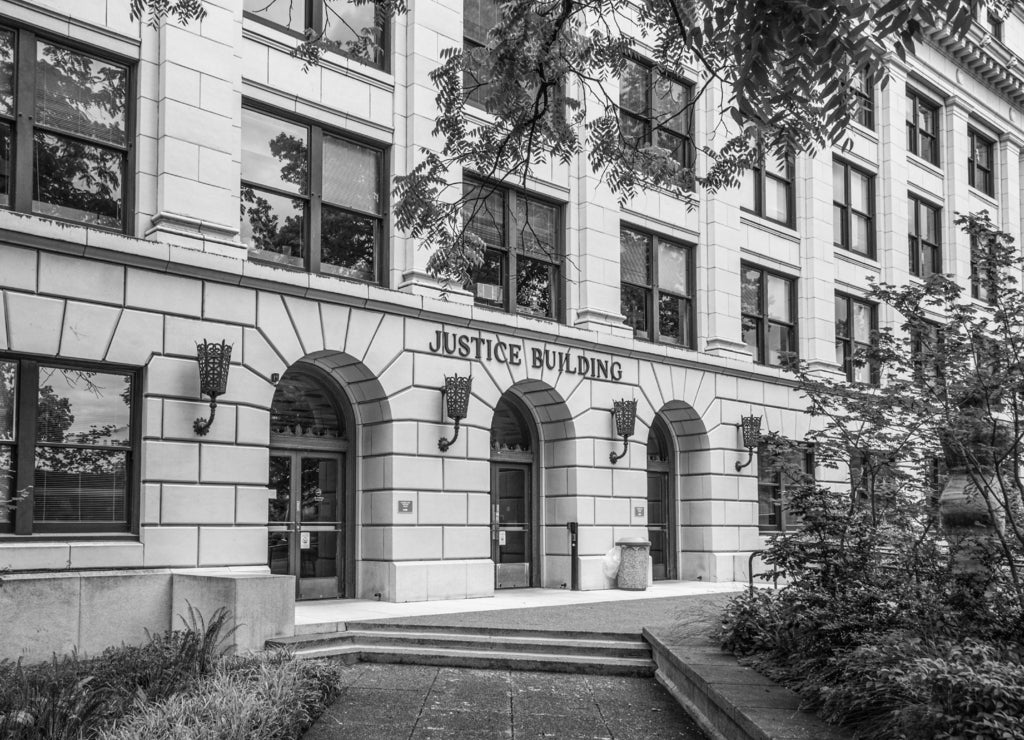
x: 528, y: 650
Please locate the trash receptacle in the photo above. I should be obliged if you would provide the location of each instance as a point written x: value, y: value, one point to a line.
x: 633, y: 569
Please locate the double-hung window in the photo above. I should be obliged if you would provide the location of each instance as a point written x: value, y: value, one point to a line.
x: 68, y: 440
x: 655, y: 110
x: 357, y: 31
x: 478, y: 18
x: 855, y: 322
x: 923, y: 242
x: 853, y: 208
x: 864, y: 91
x: 777, y: 474
x: 983, y: 283
x: 769, y: 315
x: 70, y: 158
x: 657, y: 287
x: 522, y: 255
x: 311, y: 199
x: 927, y: 352
x: 979, y: 163
x: 767, y: 189
x: 922, y: 127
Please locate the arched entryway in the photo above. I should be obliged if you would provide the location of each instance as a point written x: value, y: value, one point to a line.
x: 661, y: 501
x: 514, y: 526
x: 310, y: 515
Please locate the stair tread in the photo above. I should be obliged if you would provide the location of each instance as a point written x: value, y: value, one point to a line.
x: 538, y: 638
x: 486, y: 654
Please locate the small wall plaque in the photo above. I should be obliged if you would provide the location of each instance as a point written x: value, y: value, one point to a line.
x: 638, y: 511
x: 405, y: 507
x: 304, y: 540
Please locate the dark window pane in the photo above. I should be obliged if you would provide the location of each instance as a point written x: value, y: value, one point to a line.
x: 288, y: 13
x: 277, y: 553
x: 81, y: 95
x: 750, y: 291
x: 275, y: 153
x: 6, y: 73
x: 351, y: 175
x: 669, y: 99
x: 488, y: 280
x: 74, y: 484
x: 634, y: 308
x: 678, y: 147
x: 479, y: 17
x: 633, y: 88
x: 6, y: 482
x: 6, y: 138
x: 77, y: 181
x: 752, y: 336
x: 354, y: 28
x: 674, y: 320
x: 348, y: 243
x: 838, y: 213
x: 841, y: 358
x: 83, y: 407
x: 842, y: 317
x: 534, y: 287
x: 318, y: 479
x: 537, y: 224
x: 8, y: 400
x: 635, y: 132
x: 780, y: 344
x: 279, y: 506
x: 635, y: 257
x: 484, y: 215
x: 272, y: 225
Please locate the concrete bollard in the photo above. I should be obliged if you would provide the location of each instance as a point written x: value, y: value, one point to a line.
x: 634, y: 567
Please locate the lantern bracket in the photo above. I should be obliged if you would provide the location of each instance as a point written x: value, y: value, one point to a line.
x: 624, y: 413
x: 214, y: 362
x: 455, y: 398
x: 751, y: 428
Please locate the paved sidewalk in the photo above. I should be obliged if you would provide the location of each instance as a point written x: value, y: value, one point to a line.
x: 402, y: 702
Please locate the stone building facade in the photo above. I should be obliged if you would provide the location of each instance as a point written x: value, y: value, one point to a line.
x: 130, y: 152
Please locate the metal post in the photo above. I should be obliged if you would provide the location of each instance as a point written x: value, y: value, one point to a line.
x: 574, y: 555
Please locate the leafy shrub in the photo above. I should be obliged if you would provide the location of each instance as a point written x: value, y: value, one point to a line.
x: 50, y: 701
x: 242, y: 699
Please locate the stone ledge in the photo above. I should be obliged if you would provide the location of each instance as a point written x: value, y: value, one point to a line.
x: 730, y: 701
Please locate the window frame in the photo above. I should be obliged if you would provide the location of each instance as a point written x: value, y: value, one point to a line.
x: 24, y: 124
x: 847, y: 209
x: 914, y: 132
x: 865, y: 91
x: 988, y: 179
x: 777, y: 484
x: 850, y: 343
x: 653, y: 291
x: 989, y: 21
x: 313, y: 17
x: 22, y: 522
x: 762, y: 318
x: 760, y: 176
x: 511, y: 251
x: 979, y: 286
x: 647, y: 117
x: 925, y: 362
x: 916, y: 243
x: 311, y: 258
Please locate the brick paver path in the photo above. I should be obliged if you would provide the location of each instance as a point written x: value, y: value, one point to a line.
x: 405, y: 702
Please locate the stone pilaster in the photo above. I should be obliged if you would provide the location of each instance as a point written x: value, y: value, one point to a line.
x: 956, y: 148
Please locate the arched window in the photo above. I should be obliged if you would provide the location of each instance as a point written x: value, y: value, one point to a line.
x: 304, y: 408
x: 510, y: 431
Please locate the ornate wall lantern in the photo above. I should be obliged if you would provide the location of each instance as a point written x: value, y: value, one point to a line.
x: 625, y: 424
x: 455, y: 395
x: 751, y: 426
x: 214, y: 362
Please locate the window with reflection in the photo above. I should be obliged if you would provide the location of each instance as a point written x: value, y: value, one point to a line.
x: 657, y: 287
x: 70, y: 162
x: 67, y: 446
x: 769, y: 315
x: 357, y: 31
x: 923, y: 240
x: 979, y: 163
x: 520, y: 238
x: 325, y: 215
x: 853, y: 208
x: 922, y: 127
x: 655, y: 110
x: 777, y: 474
x: 767, y: 189
x: 865, y: 93
x: 856, y: 320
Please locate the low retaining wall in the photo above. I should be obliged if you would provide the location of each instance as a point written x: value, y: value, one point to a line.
x: 730, y: 701
x: 48, y: 613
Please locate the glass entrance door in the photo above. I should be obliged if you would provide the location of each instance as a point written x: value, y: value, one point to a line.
x: 511, y: 531
x: 306, y: 522
x: 659, y: 530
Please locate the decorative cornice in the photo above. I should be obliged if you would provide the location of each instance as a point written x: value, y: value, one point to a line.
x: 986, y: 58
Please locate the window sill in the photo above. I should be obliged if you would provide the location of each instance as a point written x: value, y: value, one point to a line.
x: 868, y: 133
x: 925, y: 165
x: 982, y: 195
x: 765, y: 224
x: 856, y: 258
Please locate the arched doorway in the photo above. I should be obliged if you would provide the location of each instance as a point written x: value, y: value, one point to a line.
x: 309, y: 516
x: 661, y: 499
x: 514, y: 539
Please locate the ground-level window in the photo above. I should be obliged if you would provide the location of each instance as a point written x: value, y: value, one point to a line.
x: 67, y: 447
x: 777, y: 474
x: 64, y: 131
x: 311, y: 199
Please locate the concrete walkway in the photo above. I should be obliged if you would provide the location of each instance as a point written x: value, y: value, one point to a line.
x: 401, y: 702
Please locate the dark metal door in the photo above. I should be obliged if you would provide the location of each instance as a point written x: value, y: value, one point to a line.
x: 511, y: 528
x: 306, y: 522
x: 659, y: 525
